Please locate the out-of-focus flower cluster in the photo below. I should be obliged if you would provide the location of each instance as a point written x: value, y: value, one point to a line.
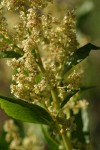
x: 29, y: 142
x: 76, y: 105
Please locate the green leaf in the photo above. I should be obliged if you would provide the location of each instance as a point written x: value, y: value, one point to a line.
x: 25, y: 111
x: 52, y: 145
x: 84, y: 88
x: 10, y: 54
x: 67, y: 98
x: 73, y: 92
x: 78, y: 56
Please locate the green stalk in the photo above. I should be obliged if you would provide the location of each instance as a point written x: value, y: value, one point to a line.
x: 39, y: 61
x: 55, y: 98
x: 66, y: 142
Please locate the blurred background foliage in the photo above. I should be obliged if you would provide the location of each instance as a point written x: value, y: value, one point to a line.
x: 88, y: 30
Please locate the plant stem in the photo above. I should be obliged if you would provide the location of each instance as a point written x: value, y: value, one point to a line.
x: 55, y: 98
x: 66, y: 141
x: 56, y: 101
x: 39, y: 61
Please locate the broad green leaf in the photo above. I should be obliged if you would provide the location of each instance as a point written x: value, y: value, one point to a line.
x: 72, y: 93
x: 10, y: 54
x: 25, y: 111
x: 78, y: 56
x: 52, y: 145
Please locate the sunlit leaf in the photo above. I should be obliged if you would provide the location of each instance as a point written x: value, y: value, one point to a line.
x: 25, y: 111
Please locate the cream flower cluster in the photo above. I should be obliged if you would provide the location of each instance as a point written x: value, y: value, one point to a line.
x: 24, y: 4
x: 45, y: 44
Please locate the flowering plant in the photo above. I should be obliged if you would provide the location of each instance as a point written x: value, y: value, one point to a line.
x: 43, y: 52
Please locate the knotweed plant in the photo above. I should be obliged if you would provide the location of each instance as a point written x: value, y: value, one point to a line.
x: 42, y: 51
